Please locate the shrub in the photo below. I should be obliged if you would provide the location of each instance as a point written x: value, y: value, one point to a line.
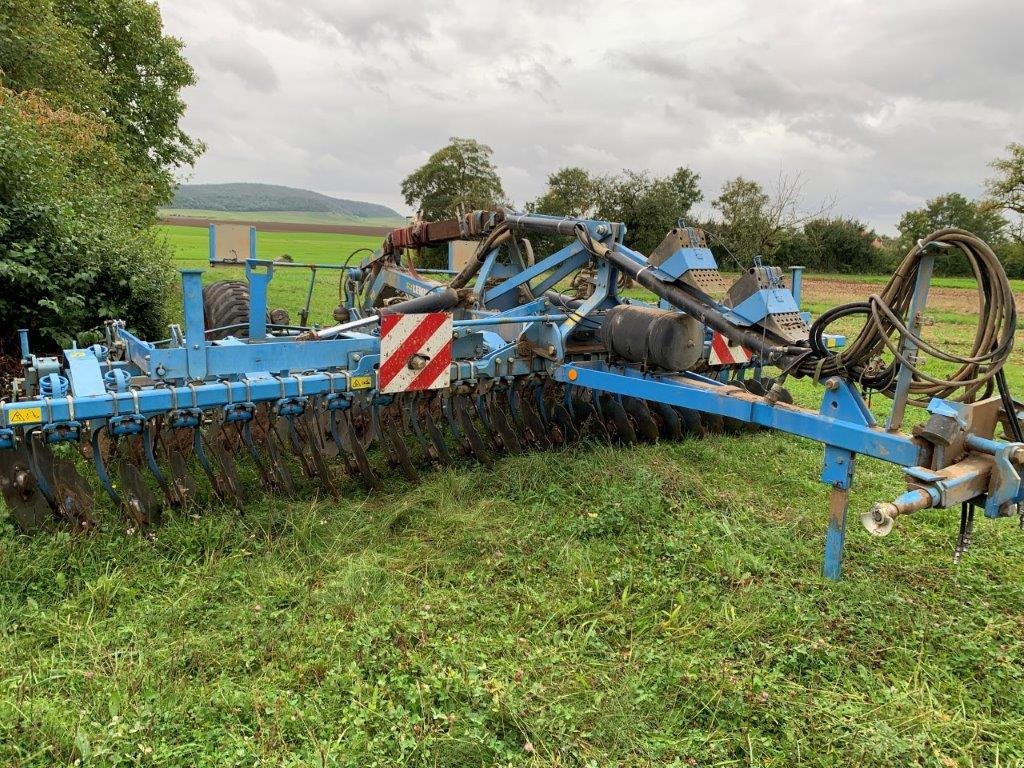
x: 75, y: 245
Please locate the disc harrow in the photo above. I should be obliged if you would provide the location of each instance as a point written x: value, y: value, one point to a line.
x: 432, y: 368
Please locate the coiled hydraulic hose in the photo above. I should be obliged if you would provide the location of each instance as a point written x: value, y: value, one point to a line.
x: 887, y: 324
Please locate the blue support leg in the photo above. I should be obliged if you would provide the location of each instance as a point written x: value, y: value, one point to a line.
x: 838, y: 473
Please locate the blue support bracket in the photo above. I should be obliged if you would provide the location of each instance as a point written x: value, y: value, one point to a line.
x: 259, y: 282
x: 195, y: 323
x: 838, y: 473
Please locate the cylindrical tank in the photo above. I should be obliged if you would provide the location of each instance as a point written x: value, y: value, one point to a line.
x: 659, y: 337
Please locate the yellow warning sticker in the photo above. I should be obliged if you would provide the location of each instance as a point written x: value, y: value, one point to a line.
x: 360, y: 382
x: 77, y: 353
x: 25, y: 416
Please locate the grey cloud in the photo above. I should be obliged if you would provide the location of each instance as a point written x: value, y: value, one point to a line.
x: 240, y: 59
x: 659, y: 64
x: 876, y: 104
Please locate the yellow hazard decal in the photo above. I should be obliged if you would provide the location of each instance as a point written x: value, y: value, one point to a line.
x: 360, y: 382
x: 25, y: 416
x: 77, y: 353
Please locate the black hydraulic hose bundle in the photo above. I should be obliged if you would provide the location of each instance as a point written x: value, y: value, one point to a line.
x: 887, y: 323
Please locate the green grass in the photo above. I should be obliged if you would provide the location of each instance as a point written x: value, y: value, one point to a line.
x: 288, y: 217
x: 655, y: 605
x: 289, y: 286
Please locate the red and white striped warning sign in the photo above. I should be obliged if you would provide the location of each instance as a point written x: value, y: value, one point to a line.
x: 723, y: 352
x: 415, y: 352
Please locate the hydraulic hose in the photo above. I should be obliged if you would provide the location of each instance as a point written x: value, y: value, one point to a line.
x: 887, y: 324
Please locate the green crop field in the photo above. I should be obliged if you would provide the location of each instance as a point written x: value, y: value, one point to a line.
x: 658, y: 605
x: 285, y: 217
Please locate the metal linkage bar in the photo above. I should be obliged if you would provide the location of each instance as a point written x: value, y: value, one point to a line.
x: 830, y: 426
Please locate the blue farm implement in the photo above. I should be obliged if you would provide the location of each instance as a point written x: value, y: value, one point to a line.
x: 515, y: 350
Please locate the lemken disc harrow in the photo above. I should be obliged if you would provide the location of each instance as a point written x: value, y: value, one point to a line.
x: 426, y: 368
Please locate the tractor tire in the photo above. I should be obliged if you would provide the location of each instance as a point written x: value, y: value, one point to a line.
x: 226, y: 307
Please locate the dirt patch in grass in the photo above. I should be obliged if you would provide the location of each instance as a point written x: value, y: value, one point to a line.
x: 838, y: 291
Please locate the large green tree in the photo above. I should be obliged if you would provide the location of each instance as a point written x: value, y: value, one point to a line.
x: 1006, y: 188
x: 952, y: 210
x: 571, y: 191
x: 756, y: 222
x: 89, y: 141
x: 648, y: 205
x: 459, y: 176
x: 831, y: 245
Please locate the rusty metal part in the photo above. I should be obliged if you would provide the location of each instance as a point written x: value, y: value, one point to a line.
x: 29, y: 508
x: 138, y: 500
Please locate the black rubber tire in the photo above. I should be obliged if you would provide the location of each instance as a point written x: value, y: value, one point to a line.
x: 226, y: 303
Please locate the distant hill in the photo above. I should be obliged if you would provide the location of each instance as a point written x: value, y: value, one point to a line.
x: 266, y: 198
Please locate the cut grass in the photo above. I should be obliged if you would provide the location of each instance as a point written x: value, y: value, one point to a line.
x: 654, y: 605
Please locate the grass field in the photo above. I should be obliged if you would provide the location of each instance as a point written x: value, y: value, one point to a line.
x: 656, y: 605
x: 289, y: 217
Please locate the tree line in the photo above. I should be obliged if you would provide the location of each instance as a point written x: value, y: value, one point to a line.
x: 747, y: 219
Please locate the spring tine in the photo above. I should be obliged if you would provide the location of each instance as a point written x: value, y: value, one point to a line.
x: 344, y: 445
x: 449, y: 412
x: 646, y: 427
x: 395, y: 445
x: 149, y: 452
x: 410, y: 423
x: 29, y: 508
x: 491, y: 439
x: 266, y: 478
x: 216, y: 483
x: 282, y: 476
x: 351, y: 441
x: 290, y: 435
x: 473, y: 439
x: 99, y: 448
x: 315, y: 442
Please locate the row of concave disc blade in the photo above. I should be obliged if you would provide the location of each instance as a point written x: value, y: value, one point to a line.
x: 170, y: 466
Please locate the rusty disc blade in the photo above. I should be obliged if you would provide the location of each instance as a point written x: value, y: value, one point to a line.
x: 140, y: 502
x: 72, y: 496
x: 29, y: 509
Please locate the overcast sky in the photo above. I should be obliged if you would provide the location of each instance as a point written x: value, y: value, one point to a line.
x: 878, y: 105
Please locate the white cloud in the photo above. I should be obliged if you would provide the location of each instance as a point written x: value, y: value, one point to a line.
x: 875, y: 104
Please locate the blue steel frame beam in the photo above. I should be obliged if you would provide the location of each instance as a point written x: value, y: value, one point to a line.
x: 148, y: 402
x: 827, y: 427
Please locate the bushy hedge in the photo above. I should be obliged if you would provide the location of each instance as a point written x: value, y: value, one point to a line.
x: 76, y: 247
